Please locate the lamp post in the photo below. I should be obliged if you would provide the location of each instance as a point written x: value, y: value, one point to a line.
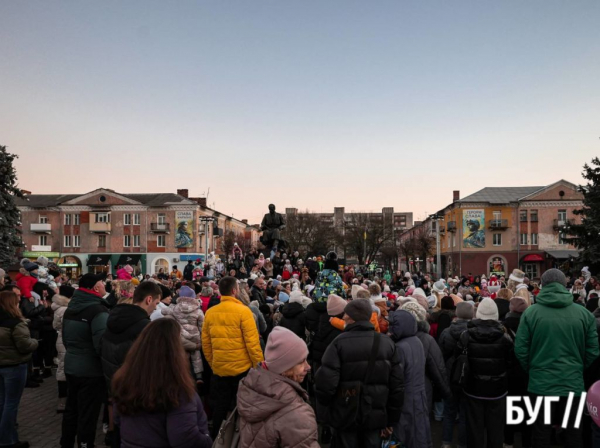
x: 206, y: 220
x: 438, y: 261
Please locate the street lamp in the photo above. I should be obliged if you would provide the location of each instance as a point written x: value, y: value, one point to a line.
x: 438, y: 265
x: 206, y: 220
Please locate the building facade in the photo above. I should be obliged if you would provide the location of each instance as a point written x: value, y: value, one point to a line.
x: 496, y: 230
x: 103, y: 229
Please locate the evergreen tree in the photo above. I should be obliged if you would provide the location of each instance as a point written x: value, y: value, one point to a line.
x: 10, y: 234
x: 586, y: 235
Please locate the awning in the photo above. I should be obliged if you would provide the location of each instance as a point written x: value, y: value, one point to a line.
x: 532, y: 258
x: 563, y: 254
x: 131, y: 259
x: 98, y: 260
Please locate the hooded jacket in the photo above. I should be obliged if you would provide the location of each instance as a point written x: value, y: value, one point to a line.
x: 84, y: 323
x: 435, y: 368
x: 59, y: 306
x: 25, y: 282
x: 16, y: 344
x: 489, y: 353
x: 324, y: 336
x: 450, y: 336
x: 125, y: 323
x: 294, y: 319
x: 556, y: 341
x: 346, y: 360
x: 314, y: 311
x: 413, y: 428
x: 274, y: 412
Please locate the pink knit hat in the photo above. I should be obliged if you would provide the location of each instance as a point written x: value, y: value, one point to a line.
x: 335, y: 305
x: 284, y: 350
x: 128, y: 268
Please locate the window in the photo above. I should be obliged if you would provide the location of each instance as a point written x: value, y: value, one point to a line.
x: 136, y: 219
x: 497, y: 216
x: 127, y: 219
x: 562, y: 217
x: 101, y: 240
x: 531, y: 270
x: 161, y: 240
x: 76, y: 219
x: 497, y: 239
x: 43, y: 219
x: 102, y: 217
x: 136, y: 241
x: 76, y: 240
x: 127, y: 240
x: 561, y: 238
x: 162, y: 219
x: 534, y: 238
x: 533, y: 216
x: 523, y: 216
x: 523, y: 239
x: 68, y: 219
x: 43, y: 240
x: 453, y: 240
x: 67, y: 240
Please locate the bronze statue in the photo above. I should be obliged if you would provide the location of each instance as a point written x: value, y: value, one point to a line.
x: 271, y: 225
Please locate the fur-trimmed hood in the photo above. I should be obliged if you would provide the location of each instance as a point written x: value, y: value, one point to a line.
x: 59, y: 301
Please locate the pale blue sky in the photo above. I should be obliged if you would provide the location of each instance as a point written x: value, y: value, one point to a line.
x: 310, y: 104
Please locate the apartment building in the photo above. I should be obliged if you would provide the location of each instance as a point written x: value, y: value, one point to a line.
x: 103, y: 229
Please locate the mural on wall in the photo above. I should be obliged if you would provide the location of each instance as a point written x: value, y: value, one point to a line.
x: 497, y: 267
x: 474, y: 229
x: 184, y: 236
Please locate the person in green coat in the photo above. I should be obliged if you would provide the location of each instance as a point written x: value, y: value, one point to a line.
x: 556, y: 341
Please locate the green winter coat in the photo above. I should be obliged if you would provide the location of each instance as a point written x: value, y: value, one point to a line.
x: 82, y: 337
x: 556, y: 341
x: 16, y: 344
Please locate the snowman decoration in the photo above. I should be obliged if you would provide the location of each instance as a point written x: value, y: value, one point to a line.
x: 493, y: 286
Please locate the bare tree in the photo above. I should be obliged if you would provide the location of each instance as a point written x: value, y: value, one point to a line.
x: 229, y: 239
x: 364, y: 237
x: 308, y: 234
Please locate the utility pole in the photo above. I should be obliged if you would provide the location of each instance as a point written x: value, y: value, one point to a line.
x: 206, y: 220
x: 438, y: 261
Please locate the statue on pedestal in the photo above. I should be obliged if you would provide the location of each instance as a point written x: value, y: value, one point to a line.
x: 272, y: 225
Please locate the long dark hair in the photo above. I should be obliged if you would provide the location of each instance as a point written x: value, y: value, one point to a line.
x: 155, y: 375
x: 9, y: 303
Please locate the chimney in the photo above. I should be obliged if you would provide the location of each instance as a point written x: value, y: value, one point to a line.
x: 245, y: 221
x: 183, y: 192
x: 456, y: 195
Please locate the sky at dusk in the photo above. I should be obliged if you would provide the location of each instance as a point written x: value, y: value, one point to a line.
x: 306, y: 104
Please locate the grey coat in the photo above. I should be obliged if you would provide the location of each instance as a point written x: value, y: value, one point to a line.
x: 435, y: 368
x: 413, y: 429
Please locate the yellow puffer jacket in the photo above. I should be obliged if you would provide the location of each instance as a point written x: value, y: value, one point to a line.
x: 230, y: 338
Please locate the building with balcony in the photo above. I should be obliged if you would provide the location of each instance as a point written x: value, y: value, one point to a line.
x: 498, y: 229
x: 103, y: 229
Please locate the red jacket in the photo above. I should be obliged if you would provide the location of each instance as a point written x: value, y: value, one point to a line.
x: 25, y: 284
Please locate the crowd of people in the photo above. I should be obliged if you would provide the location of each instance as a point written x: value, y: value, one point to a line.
x: 298, y: 352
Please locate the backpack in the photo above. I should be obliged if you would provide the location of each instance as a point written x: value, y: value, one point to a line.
x: 459, y: 363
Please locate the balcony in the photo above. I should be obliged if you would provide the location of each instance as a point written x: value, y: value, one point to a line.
x: 100, y: 227
x: 158, y: 227
x: 560, y: 223
x: 41, y: 248
x: 451, y: 226
x: 41, y: 228
x: 498, y: 224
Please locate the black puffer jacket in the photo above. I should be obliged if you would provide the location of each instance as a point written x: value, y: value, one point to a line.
x: 294, y: 319
x: 325, y: 336
x: 346, y: 360
x: 517, y: 377
x: 503, y: 308
x: 125, y: 323
x: 490, y: 351
x: 435, y: 368
x: 314, y: 311
x: 449, y: 337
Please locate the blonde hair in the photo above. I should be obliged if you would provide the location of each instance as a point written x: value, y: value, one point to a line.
x: 123, y: 290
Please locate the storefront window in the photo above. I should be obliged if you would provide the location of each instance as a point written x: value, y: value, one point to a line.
x: 497, y: 267
x: 531, y: 270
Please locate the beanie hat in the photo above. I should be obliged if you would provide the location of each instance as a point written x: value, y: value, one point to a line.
x: 66, y: 291
x: 42, y: 260
x: 421, y: 301
x: 335, y: 305
x: 447, y: 303
x: 296, y: 296
x: 439, y: 286
x: 487, y: 310
x: 517, y: 275
x: 401, y: 292
x: 128, y: 268
x: 354, y: 291
x: 359, y: 310
x: 283, y: 297
x: 186, y: 291
x: 518, y: 305
x: 464, y: 310
x: 418, y: 292
x: 407, y: 275
x: 29, y: 266
x: 431, y: 302
x: 416, y: 310
x: 284, y: 350
x: 505, y: 294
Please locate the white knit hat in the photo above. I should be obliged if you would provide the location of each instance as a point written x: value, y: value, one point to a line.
x: 296, y: 296
x: 487, y: 310
x: 419, y: 292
